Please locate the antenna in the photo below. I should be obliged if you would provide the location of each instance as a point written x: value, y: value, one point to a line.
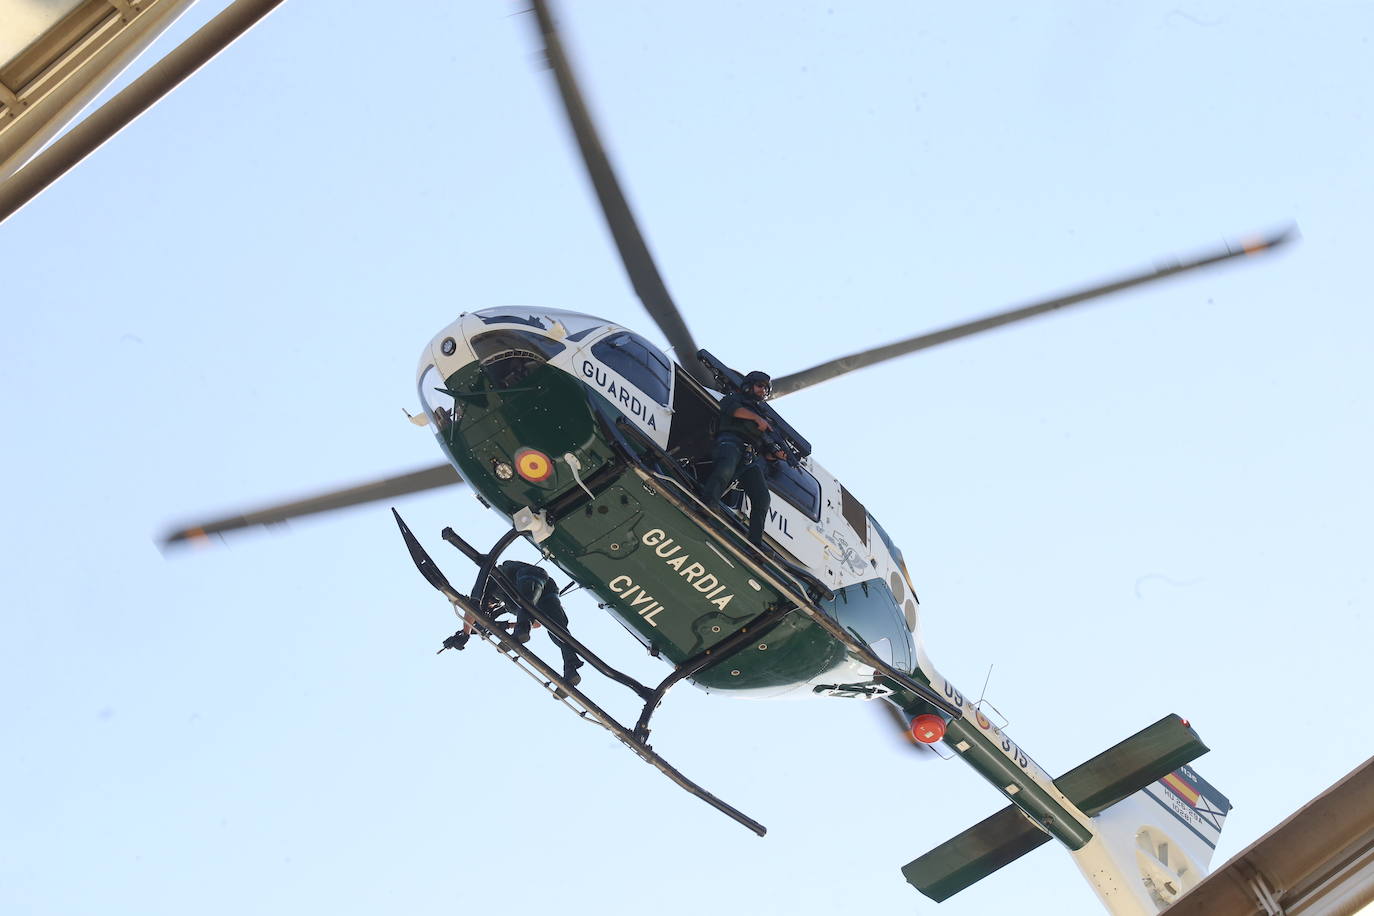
x: 982, y: 694
x: 984, y: 704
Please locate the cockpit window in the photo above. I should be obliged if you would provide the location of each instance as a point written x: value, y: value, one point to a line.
x: 896, y: 554
x: 441, y: 407
x: 508, y: 356
x: 887, y: 541
x: 797, y: 486
x: 639, y: 361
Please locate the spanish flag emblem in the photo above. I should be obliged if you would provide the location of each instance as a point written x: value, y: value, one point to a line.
x: 1182, y: 789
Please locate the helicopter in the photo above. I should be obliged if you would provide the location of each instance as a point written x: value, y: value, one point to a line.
x: 593, y: 443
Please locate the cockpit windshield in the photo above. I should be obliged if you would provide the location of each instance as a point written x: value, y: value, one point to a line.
x: 508, y: 356
x: 440, y: 406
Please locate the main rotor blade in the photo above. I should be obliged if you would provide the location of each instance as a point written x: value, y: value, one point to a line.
x: 837, y: 367
x: 417, y: 481
x: 634, y: 252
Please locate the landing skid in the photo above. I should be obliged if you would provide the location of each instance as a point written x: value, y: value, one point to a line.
x: 491, y: 632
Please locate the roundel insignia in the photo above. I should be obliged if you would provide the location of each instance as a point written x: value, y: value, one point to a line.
x: 983, y: 722
x: 533, y: 465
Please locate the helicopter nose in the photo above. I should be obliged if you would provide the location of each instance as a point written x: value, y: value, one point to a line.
x: 448, y: 350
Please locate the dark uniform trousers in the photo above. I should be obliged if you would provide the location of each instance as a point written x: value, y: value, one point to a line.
x: 736, y: 460
x: 531, y: 581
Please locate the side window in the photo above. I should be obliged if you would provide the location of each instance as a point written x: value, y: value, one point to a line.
x: 870, y: 609
x: 797, y: 486
x: 887, y: 541
x: 637, y: 360
x: 901, y: 564
x: 854, y: 513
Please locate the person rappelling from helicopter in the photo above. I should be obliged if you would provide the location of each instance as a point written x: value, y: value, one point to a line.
x: 743, y: 435
x: 538, y: 588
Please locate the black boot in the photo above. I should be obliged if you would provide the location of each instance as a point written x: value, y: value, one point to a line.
x: 570, y: 676
x: 572, y: 679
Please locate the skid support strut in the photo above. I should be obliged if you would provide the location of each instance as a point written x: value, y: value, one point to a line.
x: 475, y: 611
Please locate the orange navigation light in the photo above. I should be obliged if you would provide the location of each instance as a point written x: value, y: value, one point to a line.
x: 533, y: 465
x: 927, y: 728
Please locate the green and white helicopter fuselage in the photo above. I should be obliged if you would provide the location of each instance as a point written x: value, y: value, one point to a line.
x: 522, y: 401
x: 538, y: 410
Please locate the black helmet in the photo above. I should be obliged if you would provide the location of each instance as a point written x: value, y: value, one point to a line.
x: 758, y: 378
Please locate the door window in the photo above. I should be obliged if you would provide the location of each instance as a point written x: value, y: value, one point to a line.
x: 639, y: 361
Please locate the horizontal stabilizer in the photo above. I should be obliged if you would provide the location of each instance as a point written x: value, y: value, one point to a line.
x: 1123, y: 770
x: 1116, y: 774
x: 974, y: 854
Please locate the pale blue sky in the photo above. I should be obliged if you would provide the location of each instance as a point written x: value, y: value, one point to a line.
x: 1158, y: 504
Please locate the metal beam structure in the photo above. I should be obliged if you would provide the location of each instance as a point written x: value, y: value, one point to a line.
x: 136, y: 98
x: 1319, y: 862
x: 55, y: 60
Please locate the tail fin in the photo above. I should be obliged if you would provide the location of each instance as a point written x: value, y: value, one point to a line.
x: 1141, y: 797
x: 1195, y: 804
x: 1156, y: 844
